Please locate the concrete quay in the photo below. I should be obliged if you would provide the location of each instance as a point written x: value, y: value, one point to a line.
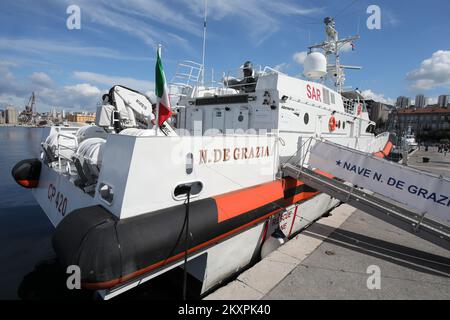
x: 337, y: 257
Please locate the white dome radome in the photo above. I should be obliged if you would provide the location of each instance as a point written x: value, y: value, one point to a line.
x: 315, y: 65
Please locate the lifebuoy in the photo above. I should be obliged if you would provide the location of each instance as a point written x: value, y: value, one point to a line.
x: 332, y: 123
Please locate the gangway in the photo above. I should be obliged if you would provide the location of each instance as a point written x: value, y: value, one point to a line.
x: 396, y: 213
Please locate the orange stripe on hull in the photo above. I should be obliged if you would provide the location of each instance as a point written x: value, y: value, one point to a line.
x: 300, y: 197
x: 233, y: 204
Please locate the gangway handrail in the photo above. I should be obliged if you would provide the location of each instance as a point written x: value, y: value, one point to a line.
x: 429, y: 229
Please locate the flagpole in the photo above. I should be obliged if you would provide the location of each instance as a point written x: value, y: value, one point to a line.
x: 157, y: 105
x: 204, y: 44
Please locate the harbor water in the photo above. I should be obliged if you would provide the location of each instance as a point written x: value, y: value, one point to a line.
x: 25, y: 231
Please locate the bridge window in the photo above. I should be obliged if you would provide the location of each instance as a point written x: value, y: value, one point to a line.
x: 326, y: 96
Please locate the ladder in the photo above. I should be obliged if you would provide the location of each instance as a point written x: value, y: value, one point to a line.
x: 385, y: 209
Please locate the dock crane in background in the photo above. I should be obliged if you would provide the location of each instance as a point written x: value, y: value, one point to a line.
x: 27, y: 116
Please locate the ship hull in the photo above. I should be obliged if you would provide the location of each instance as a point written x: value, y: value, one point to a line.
x: 113, y: 253
x: 110, y: 251
x: 117, y: 251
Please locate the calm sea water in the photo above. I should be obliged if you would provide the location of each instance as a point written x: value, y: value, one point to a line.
x: 28, y: 267
x: 25, y: 231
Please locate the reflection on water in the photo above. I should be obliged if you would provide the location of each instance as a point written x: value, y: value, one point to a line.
x: 28, y: 268
x: 16, y: 144
x: 47, y: 282
x: 24, y: 229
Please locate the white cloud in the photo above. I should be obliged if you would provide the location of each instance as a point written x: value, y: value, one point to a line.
x: 41, y: 79
x: 11, y: 100
x: 17, y: 91
x: 281, y: 67
x: 369, y: 94
x: 390, y: 19
x: 7, y: 64
x: 158, y: 11
x: 137, y: 17
x: 84, y: 89
x: 110, y: 81
x: 82, y: 96
x: 432, y: 100
x: 300, y: 57
x: 43, y: 46
x: 433, y: 72
x: 259, y: 18
x: 346, y: 47
x: 9, y: 86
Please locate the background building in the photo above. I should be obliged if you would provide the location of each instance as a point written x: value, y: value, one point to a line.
x: 443, y: 101
x: 421, y: 101
x: 11, y: 115
x: 379, y: 113
x: 82, y: 117
x: 2, y: 116
x: 403, y: 102
x: 428, y: 124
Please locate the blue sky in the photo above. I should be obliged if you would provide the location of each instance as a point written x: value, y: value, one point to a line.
x: 117, y: 41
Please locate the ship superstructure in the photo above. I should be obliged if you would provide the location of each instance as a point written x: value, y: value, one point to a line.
x: 130, y: 200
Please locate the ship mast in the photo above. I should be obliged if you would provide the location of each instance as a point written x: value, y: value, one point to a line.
x: 204, y: 43
x: 331, y: 47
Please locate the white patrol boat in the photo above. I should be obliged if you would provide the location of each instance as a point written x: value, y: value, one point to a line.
x: 408, y: 141
x: 131, y: 202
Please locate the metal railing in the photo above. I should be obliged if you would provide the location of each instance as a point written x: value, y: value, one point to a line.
x: 187, y: 76
x: 62, y: 146
x: 349, y: 105
x: 188, y: 82
x: 372, y: 203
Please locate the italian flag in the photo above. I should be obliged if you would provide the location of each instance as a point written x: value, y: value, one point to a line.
x: 162, y: 92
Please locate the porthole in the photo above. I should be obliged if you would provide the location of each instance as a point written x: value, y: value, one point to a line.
x: 339, y: 124
x: 343, y: 125
x: 306, y: 118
